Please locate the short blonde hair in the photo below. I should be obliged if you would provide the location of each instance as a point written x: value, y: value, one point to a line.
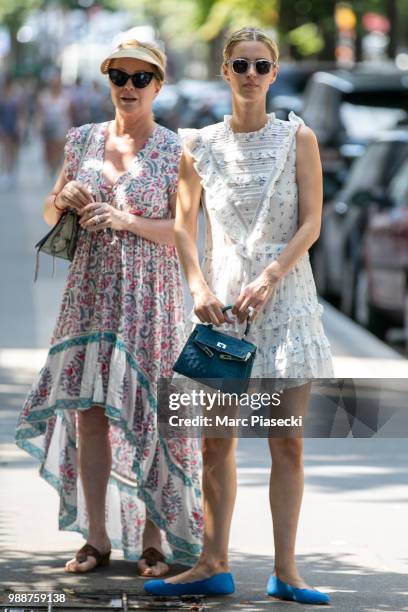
x: 250, y: 34
x: 151, y: 49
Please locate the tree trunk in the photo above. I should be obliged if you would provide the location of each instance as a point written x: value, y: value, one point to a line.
x: 12, y: 23
x: 392, y: 13
x: 215, y: 58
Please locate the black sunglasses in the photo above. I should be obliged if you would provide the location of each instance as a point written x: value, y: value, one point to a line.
x: 241, y: 65
x: 140, y: 79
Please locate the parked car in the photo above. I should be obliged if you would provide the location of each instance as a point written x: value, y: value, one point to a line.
x: 347, y: 109
x: 166, y: 107
x: 285, y: 94
x: 382, y: 288
x: 203, y: 102
x: 338, y: 257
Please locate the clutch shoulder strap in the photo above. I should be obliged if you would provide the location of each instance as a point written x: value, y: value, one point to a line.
x: 85, y: 146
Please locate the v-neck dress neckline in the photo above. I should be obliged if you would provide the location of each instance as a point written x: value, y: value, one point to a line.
x: 140, y: 155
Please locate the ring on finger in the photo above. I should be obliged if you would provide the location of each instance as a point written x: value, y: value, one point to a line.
x: 97, y: 220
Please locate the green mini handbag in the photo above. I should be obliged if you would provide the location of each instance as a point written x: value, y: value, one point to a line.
x: 61, y: 240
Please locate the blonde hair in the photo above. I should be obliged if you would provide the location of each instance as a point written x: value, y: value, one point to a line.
x: 152, y: 49
x: 250, y: 34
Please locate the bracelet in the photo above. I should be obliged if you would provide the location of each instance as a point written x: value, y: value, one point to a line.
x: 54, y: 203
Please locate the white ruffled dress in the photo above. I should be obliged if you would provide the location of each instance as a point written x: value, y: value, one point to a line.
x: 250, y: 201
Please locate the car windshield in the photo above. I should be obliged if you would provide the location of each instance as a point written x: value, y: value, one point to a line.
x: 355, y: 116
x: 375, y: 168
x: 363, y: 122
x: 289, y: 82
x: 367, y: 172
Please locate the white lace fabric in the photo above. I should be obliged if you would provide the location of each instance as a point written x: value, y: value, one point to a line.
x: 251, y: 210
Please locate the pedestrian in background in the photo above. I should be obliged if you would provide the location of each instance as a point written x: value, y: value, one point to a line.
x: 79, y: 93
x: 100, y: 106
x: 55, y: 115
x: 263, y: 201
x: 91, y: 417
x: 11, y: 130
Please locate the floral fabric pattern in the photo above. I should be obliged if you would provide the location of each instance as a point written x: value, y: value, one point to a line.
x: 120, y: 328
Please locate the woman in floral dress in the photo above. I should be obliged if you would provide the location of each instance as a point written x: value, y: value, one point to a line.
x: 91, y: 417
x: 260, y: 181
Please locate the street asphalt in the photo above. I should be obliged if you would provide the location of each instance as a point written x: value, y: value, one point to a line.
x: 352, y: 540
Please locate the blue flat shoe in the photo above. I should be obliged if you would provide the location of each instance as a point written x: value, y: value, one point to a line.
x: 219, y: 584
x: 277, y: 588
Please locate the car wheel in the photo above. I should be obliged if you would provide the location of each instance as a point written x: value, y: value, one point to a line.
x: 362, y: 307
x: 377, y: 322
x: 320, y: 271
x: 348, y: 288
x: 406, y: 322
x: 366, y: 314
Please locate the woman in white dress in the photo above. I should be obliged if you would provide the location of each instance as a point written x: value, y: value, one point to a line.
x: 262, y: 186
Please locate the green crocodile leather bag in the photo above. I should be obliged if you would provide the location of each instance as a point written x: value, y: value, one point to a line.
x: 61, y: 240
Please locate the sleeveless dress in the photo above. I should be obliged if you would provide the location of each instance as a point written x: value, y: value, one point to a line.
x: 117, y: 332
x: 250, y: 201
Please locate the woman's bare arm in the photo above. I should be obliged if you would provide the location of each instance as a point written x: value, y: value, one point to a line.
x: 185, y: 228
x: 160, y: 231
x: 156, y: 230
x: 65, y: 194
x: 310, y: 190
x: 206, y: 305
x: 50, y: 212
x: 72, y: 194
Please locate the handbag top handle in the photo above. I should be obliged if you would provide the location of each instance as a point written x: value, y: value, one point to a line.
x: 248, y: 324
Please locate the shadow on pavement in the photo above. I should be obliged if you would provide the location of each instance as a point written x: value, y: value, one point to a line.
x: 338, y: 465
x: 352, y: 587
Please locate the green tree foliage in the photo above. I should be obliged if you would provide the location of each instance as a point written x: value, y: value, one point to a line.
x: 304, y: 27
x: 218, y: 15
x: 10, y: 7
x: 12, y: 15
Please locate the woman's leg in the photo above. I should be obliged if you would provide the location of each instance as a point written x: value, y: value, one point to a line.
x: 286, y: 489
x: 48, y: 154
x: 10, y: 156
x: 95, y: 461
x: 55, y: 155
x: 219, y: 492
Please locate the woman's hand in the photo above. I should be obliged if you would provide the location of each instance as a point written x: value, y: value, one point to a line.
x: 208, y: 308
x: 100, y: 215
x: 254, y: 297
x: 73, y: 195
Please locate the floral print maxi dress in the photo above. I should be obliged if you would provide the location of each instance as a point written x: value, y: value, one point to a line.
x: 119, y: 329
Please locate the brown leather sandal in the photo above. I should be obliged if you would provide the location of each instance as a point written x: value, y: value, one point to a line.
x: 152, y: 556
x: 90, y: 551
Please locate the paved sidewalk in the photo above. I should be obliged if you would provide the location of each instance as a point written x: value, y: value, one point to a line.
x: 351, y: 538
